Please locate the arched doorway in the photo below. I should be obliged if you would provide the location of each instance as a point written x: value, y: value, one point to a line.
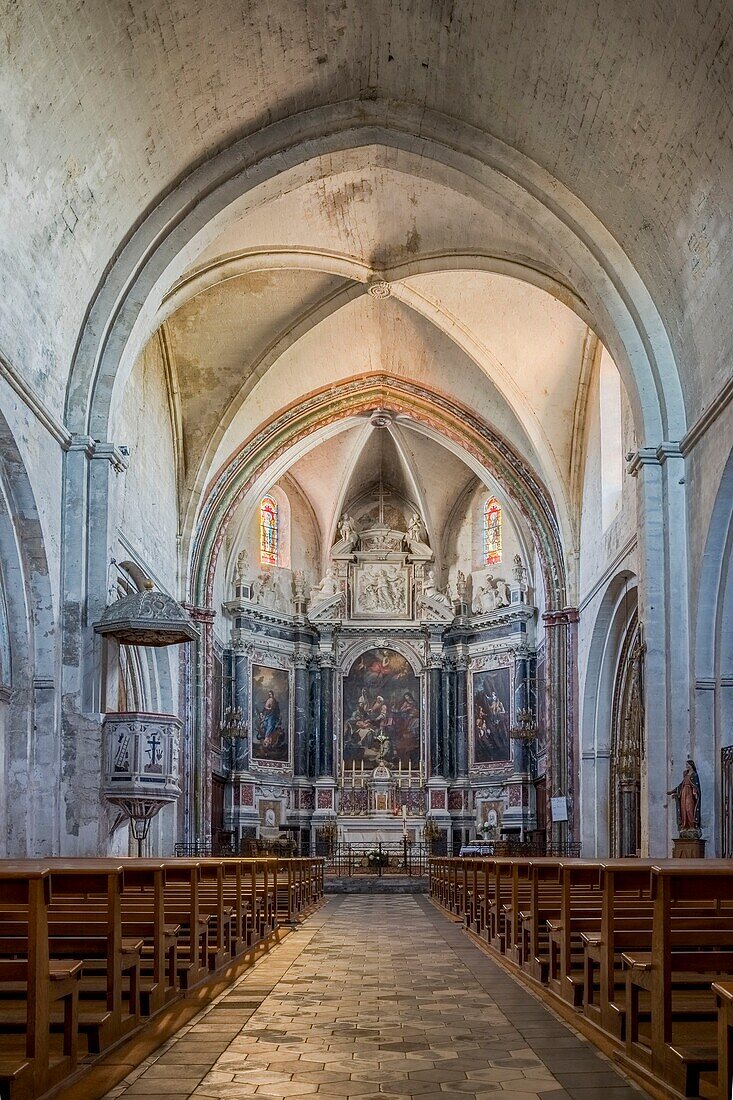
x: 711, y: 735
x: 627, y: 745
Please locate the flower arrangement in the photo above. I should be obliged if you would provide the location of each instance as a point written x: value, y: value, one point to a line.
x: 378, y: 859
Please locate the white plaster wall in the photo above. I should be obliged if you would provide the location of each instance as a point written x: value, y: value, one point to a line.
x: 600, y: 548
x: 604, y: 554
x: 148, y: 506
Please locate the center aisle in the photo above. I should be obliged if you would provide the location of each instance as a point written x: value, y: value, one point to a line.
x: 376, y: 997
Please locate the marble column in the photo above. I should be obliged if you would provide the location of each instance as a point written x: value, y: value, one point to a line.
x: 240, y: 698
x: 326, y: 715
x: 524, y: 699
x: 449, y: 718
x: 301, y: 712
x: 562, y: 780
x: 436, y: 720
x: 462, y: 674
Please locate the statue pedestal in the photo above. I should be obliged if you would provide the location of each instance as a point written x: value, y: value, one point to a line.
x: 688, y: 849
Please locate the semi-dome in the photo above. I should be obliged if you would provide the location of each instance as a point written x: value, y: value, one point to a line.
x: 147, y: 618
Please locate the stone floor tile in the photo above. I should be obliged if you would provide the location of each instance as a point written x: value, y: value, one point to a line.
x: 344, y: 1008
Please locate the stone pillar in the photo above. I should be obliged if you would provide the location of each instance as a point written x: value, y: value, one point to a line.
x: 198, y: 774
x: 301, y: 712
x: 90, y: 477
x: 664, y: 613
x: 562, y: 762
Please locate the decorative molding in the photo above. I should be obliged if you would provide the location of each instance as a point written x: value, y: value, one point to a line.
x: 379, y: 289
x: 589, y: 362
x: 117, y: 456
x: 34, y: 403
x: 707, y: 417
x: 561, y: 617
x: 653, y: 456
x: 204, y: 615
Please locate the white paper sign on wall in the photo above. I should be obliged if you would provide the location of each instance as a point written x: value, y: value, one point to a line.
x: 559, y: 808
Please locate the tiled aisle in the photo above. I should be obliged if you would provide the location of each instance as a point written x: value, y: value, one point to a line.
x: 377, y: 997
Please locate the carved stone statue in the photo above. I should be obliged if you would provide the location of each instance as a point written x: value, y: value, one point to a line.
x: 326, y: 588
x: 502, y: 597
x: 519, y: 573
x: 415, y: 537
x: 461, y: 586
x: 299, y: 585
x: 241, y: 570
x: 433, y: 593
x: 266, y: 593
x: 483, y: 600
x: 348, y: 536
x: 415, y: 529
x: 687, y: 797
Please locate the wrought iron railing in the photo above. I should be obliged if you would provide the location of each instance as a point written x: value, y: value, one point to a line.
x: 380, y: 858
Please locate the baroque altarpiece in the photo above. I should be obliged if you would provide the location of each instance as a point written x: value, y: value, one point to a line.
x: 380, y: 701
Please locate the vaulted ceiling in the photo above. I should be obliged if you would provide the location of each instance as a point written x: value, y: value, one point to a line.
x: 325, y: 282
x: 107, y: 107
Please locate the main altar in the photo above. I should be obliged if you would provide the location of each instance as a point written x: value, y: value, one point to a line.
x: 377, y: 706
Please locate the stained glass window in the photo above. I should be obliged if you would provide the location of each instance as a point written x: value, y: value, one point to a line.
x: 492, y: 531
x: 268, y: 532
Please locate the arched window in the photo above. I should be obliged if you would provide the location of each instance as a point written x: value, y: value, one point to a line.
x: 268, y: 532
x: 492, y: 531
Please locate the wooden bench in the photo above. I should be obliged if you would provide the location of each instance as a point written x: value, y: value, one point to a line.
x: 33, y: 988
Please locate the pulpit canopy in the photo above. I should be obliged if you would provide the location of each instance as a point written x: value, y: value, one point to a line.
x: 147, y: 618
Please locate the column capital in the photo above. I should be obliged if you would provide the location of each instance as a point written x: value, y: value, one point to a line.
x: 118, y: 456
x: 561, y: 616
x: 653, y: 456
x: 205, y: 615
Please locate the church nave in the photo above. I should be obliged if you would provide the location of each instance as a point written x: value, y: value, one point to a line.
x: 377, y: 996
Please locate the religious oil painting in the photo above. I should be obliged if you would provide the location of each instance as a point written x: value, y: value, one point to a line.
x: 491, y: 716
x: 381, y: 712
x: 270, y: 714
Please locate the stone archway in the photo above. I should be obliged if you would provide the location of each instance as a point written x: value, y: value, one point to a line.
x: 586, y: 259
x: 267, y: 454
x: 31, y: 755
x: 713, y: 695
x: 627, y: 745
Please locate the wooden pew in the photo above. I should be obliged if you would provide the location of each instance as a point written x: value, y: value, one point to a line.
x: 724, y: 995
x: 31, y: 986
x: 678, y: 971
x: 109, y: 994
x: 87, y: 944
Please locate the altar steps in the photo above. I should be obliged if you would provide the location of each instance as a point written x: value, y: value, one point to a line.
x: 373, y: 884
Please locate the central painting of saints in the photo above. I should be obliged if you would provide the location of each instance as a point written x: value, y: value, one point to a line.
x: 381, y: 712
